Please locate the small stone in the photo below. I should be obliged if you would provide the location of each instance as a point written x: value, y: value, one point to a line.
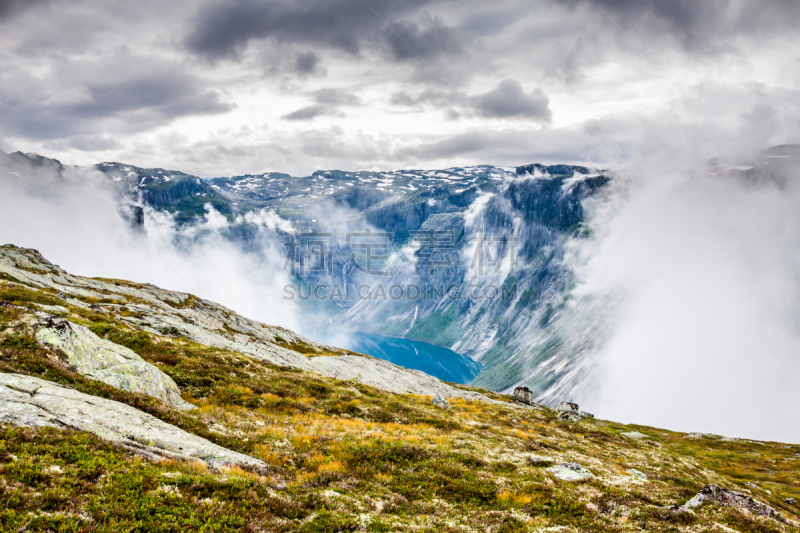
x: 571, y: 472
x: 584, y: 414
x: 791, y: 501
x: 654, y: 443
x: 53, y: 470
x: 637, y: 474
x: 441, y: 402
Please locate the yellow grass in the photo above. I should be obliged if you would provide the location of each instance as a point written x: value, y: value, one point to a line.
x: 331, y: 467
x: 236, y: 471
x: 513, y: 499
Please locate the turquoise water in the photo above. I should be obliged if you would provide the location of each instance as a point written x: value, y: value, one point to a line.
x: 439, y: 362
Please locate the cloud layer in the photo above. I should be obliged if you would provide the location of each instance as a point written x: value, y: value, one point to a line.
x: 219, y: 87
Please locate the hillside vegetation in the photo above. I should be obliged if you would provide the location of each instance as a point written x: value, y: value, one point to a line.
x: 333, y: 455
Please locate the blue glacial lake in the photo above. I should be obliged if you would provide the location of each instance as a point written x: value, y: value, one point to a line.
x: 442, y: 363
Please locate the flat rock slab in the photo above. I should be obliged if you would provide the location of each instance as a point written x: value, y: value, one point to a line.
x: 33, y: 402
x: 571, y: 472
x: 106, y: 361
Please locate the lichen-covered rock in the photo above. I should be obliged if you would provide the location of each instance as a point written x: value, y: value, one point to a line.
x: 584, y: 414
x: 732, y: 498
x: 637, y: 474
x: 33, y: 402
x: 105, y: 361
x: 571, y: 472
x: 569, y: 412
x: 441, y: 402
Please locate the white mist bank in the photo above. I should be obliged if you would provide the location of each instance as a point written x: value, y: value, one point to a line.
x: 706, y: 337
x: 74, y: 222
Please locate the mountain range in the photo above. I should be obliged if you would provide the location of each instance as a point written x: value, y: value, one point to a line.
x: 504, y: 238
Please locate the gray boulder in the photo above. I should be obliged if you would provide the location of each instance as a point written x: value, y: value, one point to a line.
x: 571, y: 472
x: 569, y: 412
x: 732, y: 498
x: 524, y: 395
x: 105, y: 361
x: 32, y: 402
x: 441, y: 402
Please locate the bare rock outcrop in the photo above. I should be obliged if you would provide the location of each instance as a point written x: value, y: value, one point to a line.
x: 106, y: 361
x: 569, y: 412
x: 32, y: 402
x: 389, y: 377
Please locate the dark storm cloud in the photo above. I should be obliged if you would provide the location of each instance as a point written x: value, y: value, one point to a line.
x: 427, y: 40
x: 307, y: 63
x: 224, y: 28
x: 327, y: 102
x: 90, y: 94
x: 9, y: 8
x: 509, y: 100
x: 457, y: 145
x: 501, y: 147
x: 506, y: 101
x: 435, y: 97
x: 696, y: 26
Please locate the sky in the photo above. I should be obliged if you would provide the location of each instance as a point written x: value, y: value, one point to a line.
x: 227, y: 87
x: 707, y: 333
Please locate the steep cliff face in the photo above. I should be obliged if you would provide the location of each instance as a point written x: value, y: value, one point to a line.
x: 513, y: 288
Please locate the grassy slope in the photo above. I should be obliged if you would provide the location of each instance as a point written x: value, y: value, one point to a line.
x: 348, y: 457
